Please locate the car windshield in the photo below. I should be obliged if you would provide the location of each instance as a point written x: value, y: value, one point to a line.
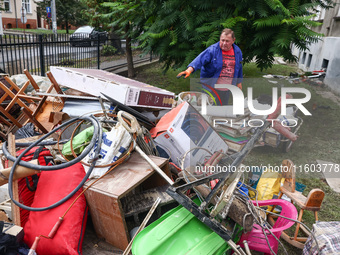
x: 86, y: 29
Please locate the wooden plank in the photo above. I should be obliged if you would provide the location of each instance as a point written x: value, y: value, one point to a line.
x: 29, y: 97
x: 35, y: 122
x: 42, y: 102
x: 127, y: 176
x: 4, y: 96
x: 15, y: 208
x: 108, y: 219
x: 56, y: 85
x: 30, y: 78
x: 3, y: 120
x: 44, y: 115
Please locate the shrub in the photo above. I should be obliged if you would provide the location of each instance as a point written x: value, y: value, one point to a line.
x: 108, y: 50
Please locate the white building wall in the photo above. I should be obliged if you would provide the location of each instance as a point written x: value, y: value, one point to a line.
x: 324, y: 54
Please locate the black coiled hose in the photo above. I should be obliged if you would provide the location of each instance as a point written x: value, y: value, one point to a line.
x: 97, y: 135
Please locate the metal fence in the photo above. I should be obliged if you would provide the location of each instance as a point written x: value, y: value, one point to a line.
x: 37, y: 52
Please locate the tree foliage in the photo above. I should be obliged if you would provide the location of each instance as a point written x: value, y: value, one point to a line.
x: 124, y: 17
x: 68, y: 12
x: 179, y: 30
x: 93, y: 13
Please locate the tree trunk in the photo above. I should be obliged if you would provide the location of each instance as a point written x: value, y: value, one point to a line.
x: 116, y: 41
x: 129, y: 58
x: 67, y: 32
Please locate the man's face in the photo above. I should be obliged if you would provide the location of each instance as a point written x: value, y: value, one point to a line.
x: 226, y: 41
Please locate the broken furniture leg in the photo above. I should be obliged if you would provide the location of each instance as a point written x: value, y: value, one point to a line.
x: 20, y: 172
x: 15, y: 209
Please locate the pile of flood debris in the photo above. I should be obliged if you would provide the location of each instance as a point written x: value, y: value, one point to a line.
x: 85, y: 143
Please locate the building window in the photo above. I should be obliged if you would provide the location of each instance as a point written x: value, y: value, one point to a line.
x: 309, y: 60
x: 324, y: 64
x: 27, y: 5
x: 303, y: 58
x: 7, y: 5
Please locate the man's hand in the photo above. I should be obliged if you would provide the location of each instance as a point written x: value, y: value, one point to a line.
x: 185, y: 73
x: 239, y: 86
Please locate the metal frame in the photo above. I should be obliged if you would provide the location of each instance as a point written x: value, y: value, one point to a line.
x: 201, y: 211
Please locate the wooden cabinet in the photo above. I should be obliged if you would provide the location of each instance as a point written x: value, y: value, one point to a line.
x: 104, y: 197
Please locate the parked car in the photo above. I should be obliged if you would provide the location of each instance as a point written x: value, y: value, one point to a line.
x: 87, y: 36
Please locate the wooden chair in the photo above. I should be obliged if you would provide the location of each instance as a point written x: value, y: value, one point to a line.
x: 13, y: 93
x: 35, y: 109
x: 311, y: 203
x: 42, y: 111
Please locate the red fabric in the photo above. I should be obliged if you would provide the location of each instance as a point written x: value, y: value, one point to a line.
x: 53, y: 186
x: 25, y: 195
x: 26, y: 198
x: 228, y: 68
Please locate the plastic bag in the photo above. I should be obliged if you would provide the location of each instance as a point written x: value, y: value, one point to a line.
x: 26, y: 131
x: 79, y: 142
x: 114, y: 144
x: 268, y: 185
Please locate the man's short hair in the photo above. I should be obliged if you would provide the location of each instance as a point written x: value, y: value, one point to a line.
x: 228, y: 31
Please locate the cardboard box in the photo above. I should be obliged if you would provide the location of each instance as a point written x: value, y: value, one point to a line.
x: 124, y: 90
x: 14, y: 230
x: 272, y: 137
x: 183, y: 129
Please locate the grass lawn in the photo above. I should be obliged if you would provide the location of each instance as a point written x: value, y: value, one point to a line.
x: 319, y: 136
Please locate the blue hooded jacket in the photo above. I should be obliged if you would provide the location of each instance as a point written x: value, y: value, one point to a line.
x: 210, y: 63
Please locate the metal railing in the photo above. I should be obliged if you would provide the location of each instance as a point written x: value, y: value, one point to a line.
x: 37, y: 53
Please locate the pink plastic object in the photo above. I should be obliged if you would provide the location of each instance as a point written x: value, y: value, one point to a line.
x: 284, y: 131
x: 256, y: 238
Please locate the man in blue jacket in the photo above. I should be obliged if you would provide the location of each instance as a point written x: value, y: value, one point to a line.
x: 220, y: 63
